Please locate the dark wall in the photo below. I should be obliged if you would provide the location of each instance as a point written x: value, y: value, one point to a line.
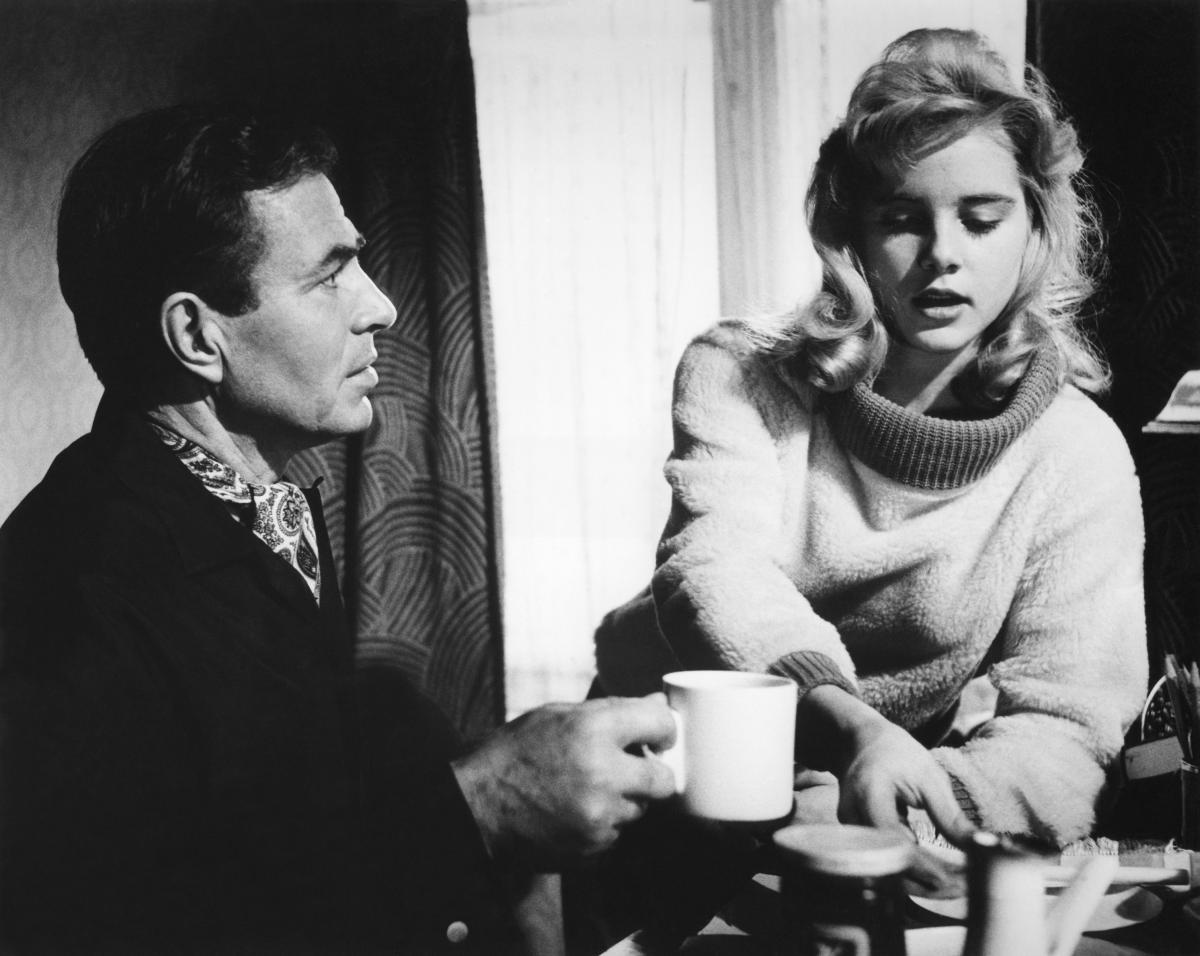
x: 1128, y: 72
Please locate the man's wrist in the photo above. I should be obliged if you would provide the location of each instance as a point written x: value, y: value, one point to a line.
x: 477, y: 786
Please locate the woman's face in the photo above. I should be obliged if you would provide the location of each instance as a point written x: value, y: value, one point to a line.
x: 943, y: 241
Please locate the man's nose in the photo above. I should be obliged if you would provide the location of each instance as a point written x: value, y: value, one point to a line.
x: 375, y: 311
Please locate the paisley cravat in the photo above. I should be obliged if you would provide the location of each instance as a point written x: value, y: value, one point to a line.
x: 281, y: 517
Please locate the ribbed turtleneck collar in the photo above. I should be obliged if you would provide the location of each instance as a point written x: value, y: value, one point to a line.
x: 937, y: 453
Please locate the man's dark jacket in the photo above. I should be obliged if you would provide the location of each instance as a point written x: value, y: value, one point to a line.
x: 189, y: 762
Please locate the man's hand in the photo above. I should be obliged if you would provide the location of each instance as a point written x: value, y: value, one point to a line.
x: 882, y: 770
x: 560, y: 781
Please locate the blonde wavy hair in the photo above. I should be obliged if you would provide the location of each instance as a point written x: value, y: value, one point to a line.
x: 927, y: 90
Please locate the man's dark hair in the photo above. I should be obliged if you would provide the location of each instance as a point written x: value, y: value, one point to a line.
x: 158, y: 204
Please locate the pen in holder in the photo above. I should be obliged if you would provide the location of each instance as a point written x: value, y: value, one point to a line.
x: 1189, y: 805
x: 1183, y: 686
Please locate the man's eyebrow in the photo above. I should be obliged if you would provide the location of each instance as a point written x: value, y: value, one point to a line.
x: 339, y: 254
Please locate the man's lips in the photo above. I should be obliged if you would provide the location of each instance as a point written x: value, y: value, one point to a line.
x: 366, y: 372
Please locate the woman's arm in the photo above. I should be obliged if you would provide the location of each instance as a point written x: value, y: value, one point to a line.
x: 737, y: 474
x: 723, y: 598
x: 1072, y: 667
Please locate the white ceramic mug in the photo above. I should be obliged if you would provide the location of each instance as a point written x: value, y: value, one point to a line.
x: 733, y: 753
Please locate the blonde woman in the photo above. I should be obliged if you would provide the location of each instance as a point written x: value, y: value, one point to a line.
x: 904, y: 483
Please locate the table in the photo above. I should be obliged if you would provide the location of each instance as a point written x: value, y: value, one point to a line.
x: 744, y: 925
x: 1175, y: 931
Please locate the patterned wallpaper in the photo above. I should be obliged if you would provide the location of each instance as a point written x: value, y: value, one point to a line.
x: 67, y: 70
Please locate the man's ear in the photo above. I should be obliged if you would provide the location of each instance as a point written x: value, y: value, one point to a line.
x: 193, y: 336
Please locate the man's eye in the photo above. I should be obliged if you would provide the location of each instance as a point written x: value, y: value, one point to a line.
x: 331, y: 280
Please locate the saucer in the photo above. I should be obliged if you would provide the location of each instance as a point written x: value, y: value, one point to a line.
x: 1124, y: 907
x: 949, y: 940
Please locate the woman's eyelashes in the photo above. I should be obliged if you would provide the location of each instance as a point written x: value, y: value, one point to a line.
x: 980, y: 227
x: 918, y: 224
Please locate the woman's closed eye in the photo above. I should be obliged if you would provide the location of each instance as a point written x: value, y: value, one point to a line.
x: 980, y: 227
x: 915, y: 224
x: 980, y: 215
x: 894, y: 223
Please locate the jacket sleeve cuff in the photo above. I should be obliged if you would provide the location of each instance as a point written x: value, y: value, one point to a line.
x: 810, y: 669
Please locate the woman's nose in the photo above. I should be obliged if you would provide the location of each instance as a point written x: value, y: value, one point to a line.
x: 943, y: 251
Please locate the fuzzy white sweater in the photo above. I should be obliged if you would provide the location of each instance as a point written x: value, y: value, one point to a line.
x: 842, y: 539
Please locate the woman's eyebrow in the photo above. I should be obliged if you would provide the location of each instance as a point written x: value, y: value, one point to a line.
x: 988, y: 199
x: 974, y: 199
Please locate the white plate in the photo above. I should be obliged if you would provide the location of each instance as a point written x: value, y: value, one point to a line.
x: 935, y: 941
x: 1124, y: 907
x: 948, y: 941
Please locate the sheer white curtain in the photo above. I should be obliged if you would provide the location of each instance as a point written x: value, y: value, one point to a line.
x: 784, y: 70
x: 596, y: 141
x: 610, y: 131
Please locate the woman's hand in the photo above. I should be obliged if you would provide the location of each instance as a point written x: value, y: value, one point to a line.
x: 888, y: 772
x: 881, y: 769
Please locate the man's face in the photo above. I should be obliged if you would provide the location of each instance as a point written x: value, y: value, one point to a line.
x: 298, y: 368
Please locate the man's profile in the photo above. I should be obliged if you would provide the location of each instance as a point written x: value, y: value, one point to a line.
x: 189, y: 760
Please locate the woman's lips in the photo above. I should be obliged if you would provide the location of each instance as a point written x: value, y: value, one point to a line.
x: 940, y: 306
x: 932, y: 300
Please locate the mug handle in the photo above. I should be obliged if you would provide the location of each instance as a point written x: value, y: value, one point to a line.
x: 673, y: 755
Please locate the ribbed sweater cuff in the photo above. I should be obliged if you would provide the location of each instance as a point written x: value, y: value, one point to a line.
x: 810, y: 669
x: 964, y: 800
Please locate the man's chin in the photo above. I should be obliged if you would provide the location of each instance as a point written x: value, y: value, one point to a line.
x: 359, y: 420
x: 351, y: 422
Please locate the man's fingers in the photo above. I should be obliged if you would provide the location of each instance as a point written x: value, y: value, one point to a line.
x: 655, y: 779
x: 641, y: 720
x: 649, y: 778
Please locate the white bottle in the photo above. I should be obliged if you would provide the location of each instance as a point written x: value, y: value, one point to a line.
x: 1006, y: 908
